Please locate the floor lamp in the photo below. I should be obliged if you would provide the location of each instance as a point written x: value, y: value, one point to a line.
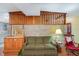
x: 58, y: 40
x: 58, y: 35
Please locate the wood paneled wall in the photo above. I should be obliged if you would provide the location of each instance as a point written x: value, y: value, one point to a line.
x: 18, y: 18
x: 53, y: 17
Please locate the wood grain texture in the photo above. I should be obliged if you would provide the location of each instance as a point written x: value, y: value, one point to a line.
x: 13, y: 45
x: 45, y: 18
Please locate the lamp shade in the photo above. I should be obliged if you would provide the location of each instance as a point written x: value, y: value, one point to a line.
x: 58, y: 31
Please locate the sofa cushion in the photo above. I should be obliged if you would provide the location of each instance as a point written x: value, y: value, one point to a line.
x: 39, y: 43
x: 40, y: 46
x: 34, y: 46
x: 31, y: 40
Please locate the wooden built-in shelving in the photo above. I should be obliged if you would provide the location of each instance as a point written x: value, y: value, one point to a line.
x: 45, y: 18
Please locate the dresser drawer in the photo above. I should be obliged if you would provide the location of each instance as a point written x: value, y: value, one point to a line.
x: 13, y: 45
x: 8, y: 44
x: 18, y: 43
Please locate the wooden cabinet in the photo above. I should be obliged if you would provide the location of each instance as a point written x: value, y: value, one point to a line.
x: 13, y: 45
x: 45, y: 18
x: 30, y: 20
x: 8, y: 43
x: 36, y: 20
x: 52, y: 17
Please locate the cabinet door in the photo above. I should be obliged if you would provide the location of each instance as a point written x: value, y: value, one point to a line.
x: 8, y: 43
x: 37, y: 20
x: 18, y: 43
x: 29, y: 20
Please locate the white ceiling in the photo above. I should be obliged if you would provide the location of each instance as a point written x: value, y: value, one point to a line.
x: 72, y: 9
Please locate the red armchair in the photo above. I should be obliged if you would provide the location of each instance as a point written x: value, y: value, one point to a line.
x: 71, y: 47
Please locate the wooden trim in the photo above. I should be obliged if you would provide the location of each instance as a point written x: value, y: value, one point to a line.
x: 65, y: 18
x: 52, y: 12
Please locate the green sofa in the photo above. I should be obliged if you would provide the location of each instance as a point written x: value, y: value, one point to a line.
x: 39, y: 46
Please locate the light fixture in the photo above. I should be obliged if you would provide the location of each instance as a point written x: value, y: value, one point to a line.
x: 58, y: 35
x: 58, y: 31
x: 57, y: 39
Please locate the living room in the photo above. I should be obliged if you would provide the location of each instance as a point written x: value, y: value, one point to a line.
x: 36, y: 29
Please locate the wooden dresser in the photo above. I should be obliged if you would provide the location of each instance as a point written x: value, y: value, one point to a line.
x: 13, y: 45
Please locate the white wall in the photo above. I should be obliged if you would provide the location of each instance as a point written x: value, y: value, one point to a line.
x: 40, y: 30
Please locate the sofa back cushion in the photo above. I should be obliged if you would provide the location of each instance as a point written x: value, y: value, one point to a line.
x: 31, y: 40
x: 38, y: 40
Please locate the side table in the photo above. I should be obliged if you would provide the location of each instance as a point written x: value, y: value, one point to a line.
x: 61, y: 50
